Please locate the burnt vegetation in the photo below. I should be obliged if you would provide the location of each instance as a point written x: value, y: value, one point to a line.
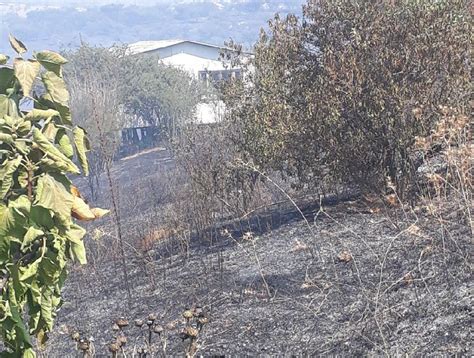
x: 328, y: 213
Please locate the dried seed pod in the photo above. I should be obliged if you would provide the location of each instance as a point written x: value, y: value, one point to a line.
x: 75, y: 336
x: 188, y: 314
x: 192, y: 332
x: 408, y: 279
x: 170, y: 326
x: 149, y: 323
x: 138, y: 322
x: 344, y: 256
x: 152, y: 317
x: 83, y: 345
x: 114, y: 347
x: 115, y: 327
x: 198, y: 311
x: 121, y: 322
x: 158, y: 329
x: 203, y: 320
x: 122, y: 340
x: 183, y: 334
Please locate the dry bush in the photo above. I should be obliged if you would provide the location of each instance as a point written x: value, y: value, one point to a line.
x: 213, y: 186
x: 340, y: 95
x: 213, y: 182
x: 155, y: 236
x: 446, y: 177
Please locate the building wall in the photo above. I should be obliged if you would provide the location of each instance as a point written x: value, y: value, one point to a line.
x: 191, y: 57
x: 192, y: 63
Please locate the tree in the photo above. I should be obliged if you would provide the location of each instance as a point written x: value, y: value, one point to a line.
x: 161, y: 95
x: 340, y: 95
x: 95, y: 79
x: 137, y: 86
x: 38, y: 202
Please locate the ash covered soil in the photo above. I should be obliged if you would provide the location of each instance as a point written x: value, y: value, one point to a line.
x: 346, y: 281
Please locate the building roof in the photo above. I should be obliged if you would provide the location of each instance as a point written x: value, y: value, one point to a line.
x: 147, y: 46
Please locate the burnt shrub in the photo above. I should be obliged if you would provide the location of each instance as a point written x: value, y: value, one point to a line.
x: 340, y: 95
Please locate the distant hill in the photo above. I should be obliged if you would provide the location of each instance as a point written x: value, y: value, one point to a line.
x: 55, y: 26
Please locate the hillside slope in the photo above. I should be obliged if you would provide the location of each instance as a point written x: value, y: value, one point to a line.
x: 347, y: 281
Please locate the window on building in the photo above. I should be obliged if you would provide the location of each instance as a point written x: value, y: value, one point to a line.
x: 220, y: 75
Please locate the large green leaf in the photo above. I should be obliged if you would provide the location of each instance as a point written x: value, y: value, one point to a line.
x: 52, y: 152
x: 75, y: 235
x: 46, y: 102
x: 78, y: 252
x: 47, y: 309
x: 11, y: 222
x: 64, y: 143
x: 31, y: 235
x: 50, y: 269
x: 51, y: 61
x: 56, y: 88
x: 39, y: 114
x: 8, y: 107
x: 3, y: 105
x: 48, y: 164
x: 29, y: 271
x: 26, y: 72
x: 29, y: 353
x: 51, y: 57
x: 6, y: 138
x: 22, y: 337
x: 21, y: 205
x: 4, y: 241
x: 82, y: 146
x: 54, y: 195
x: 50, y: 131
x: 14, y: 221
x: 7, y: 169
x: 7, y: 79
x: 41, y: 217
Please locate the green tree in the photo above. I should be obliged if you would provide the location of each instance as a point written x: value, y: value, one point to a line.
x: 140, y: 86
x: 340, y: 95
x: 95, y: 76
x: 161, y: 95
x: 38, y: 203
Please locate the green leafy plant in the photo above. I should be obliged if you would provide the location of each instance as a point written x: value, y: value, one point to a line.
x: 38, y: 203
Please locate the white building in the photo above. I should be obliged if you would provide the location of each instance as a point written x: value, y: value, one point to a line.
x: 200, y: 60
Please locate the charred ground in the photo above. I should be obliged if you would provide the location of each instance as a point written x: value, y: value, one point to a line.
x: 350, y: 279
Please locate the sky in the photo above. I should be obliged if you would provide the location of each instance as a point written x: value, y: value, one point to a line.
x: 70, y: 2
x: 92, y: 2
x: 63, y: 24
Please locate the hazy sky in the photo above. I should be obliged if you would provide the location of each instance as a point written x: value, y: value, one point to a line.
x: 60, y: 24
x: 88, y: 2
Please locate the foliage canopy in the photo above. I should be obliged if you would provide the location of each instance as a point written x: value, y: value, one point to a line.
x: 340, y: 95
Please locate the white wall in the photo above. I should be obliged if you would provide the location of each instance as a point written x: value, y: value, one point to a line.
x: 192, y: 64
x: 210, y: 112
x: 191, y: 57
